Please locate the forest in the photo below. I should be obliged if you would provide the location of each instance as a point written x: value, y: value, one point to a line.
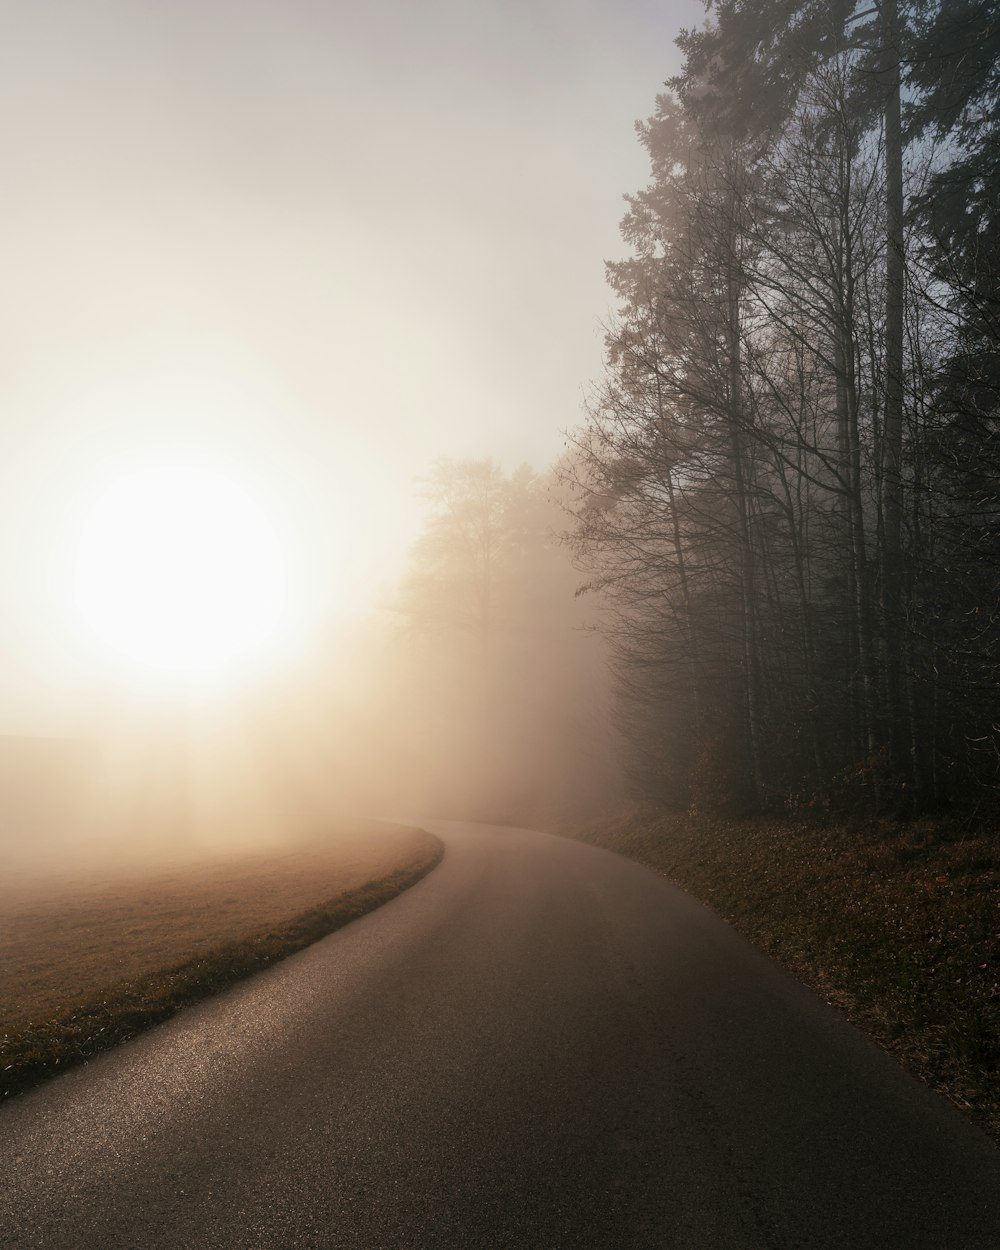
x: 786, y: 486
x: 782, y: 501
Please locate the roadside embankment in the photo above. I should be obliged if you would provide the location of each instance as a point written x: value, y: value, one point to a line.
x: 897, y: 925
x: 94, y: 956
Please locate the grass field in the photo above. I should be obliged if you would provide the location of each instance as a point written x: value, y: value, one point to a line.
x: 95, y: 951
x: 897, y: 925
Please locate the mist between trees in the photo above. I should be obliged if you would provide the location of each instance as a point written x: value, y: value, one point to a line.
x: 787, y: 482
x: 783, y: 499
x: 487, y: 690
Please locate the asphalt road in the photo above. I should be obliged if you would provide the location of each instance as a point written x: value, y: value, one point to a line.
x: 540, y: 1045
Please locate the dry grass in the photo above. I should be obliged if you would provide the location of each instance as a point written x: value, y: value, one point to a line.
x: 897, y: 925
x: 94, y: 954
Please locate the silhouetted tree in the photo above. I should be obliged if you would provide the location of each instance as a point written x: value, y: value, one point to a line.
x: 793, y: 450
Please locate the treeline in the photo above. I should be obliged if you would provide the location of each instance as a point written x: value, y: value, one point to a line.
x: 788, y: 483
x: 494, y: 688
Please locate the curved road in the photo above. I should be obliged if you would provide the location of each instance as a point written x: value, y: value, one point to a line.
x: 541, y: 1045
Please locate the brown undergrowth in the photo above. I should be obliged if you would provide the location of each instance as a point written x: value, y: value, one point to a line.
x: 92, y: 961
x: 897, y: 925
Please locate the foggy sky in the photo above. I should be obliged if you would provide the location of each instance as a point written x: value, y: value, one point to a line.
x: 318, y: 244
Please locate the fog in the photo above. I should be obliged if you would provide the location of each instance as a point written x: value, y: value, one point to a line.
x: 311, y: 248
x: 309, y: 245
x: 478, y: 689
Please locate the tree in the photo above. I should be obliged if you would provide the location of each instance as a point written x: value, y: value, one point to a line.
x: 461, y: 553
x: 767, y: 496
x: 494, y: 659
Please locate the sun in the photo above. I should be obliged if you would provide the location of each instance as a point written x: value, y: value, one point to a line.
x: 179, y: 570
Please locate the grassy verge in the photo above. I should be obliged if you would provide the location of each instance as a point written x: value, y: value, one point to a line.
x: 899, y: 926
x: 94, y: 958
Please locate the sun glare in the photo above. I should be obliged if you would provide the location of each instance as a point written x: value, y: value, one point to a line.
x: 179, y: 570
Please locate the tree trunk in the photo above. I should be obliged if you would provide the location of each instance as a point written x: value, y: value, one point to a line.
x: 747, y: 571
x: 892, y: 449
